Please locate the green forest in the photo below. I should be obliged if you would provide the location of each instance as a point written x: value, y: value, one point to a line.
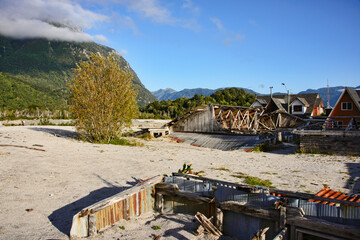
x: 176, y: 108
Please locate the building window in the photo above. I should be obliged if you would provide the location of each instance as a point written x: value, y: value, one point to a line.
x: 346, y: 106
x: 297, y: 108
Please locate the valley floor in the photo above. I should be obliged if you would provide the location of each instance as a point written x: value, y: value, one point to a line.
x: 42, y: 190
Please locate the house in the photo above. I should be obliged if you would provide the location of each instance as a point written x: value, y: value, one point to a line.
x: 302, y: 105
x: 346, y: 113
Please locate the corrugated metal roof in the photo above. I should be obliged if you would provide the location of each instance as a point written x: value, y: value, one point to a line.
x: 329, y: 193
x: 222, y: 142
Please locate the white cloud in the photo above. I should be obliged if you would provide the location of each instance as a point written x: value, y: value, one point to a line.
x: 218, y: 23
x: 149, y: 9
x: 229, y: 40
x: 36, y: 18
x: 101, y: 38
x: 191, y: 6
x: 123, y: 52
x: 126, y: 22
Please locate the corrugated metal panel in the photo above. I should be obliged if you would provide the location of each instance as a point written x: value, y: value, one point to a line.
x: 240, y: 226
x: 330, y: 212
x: 134, y: 205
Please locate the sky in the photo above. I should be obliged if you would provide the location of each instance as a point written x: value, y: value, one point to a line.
x: 180, y: 44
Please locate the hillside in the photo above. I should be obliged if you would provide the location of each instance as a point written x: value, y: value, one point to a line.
x: 44, y: 67
x: 171, y: 94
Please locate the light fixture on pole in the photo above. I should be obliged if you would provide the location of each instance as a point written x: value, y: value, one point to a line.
x: 288, y: 97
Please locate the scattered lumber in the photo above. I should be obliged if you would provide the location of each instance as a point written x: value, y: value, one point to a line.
x: 8, y: 145
x: 206, y: 225
x: 260, y: 235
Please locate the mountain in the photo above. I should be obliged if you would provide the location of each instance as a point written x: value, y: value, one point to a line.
x: 168, y: 93
x: 163, y: 93
x: 171, y: 94
x: 35, y: 72
x: 334, y: 93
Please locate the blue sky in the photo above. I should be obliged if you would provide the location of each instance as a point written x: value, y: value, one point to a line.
x: 230, y: 43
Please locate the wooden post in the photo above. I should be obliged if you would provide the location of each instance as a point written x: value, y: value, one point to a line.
x: 219, y: 217
x: 92, y: 225
x: 159, y: 203
x: 282, y: 217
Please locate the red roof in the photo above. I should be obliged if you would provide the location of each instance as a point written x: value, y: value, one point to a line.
x: 329, y: 193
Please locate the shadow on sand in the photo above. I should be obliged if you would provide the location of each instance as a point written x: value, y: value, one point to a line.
x: 353, y: 183
x: 57, y: 132
x: 62, y: 217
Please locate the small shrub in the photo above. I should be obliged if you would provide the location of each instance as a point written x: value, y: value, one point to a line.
x: 124, y: 142
x: 156, y: 227
x: 258, y: 182
x: 187, y: 169
x: 45, y: 121
x: 146, y: 136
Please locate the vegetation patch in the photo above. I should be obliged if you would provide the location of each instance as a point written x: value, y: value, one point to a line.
x: 222, y: 169
x: 254, y: 181
x: 124, y: 142
x: 187, y: 169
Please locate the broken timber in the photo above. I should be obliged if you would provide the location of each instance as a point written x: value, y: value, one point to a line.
x: 207, y: 225
x: 215, y: 118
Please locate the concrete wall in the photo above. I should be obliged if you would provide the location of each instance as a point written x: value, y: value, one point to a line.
x: 330, y: 144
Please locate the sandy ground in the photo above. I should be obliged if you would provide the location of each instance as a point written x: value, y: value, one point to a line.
x: 42, y: 190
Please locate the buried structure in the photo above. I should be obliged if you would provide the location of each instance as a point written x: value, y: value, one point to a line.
x: 239, y: 211
x: 233, y: 127
x: 214, y: 118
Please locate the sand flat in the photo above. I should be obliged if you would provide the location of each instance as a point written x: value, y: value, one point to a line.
x: 42, y: 190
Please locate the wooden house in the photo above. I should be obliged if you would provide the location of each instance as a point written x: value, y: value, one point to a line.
x: 346, y: 113
x: 302, y: 105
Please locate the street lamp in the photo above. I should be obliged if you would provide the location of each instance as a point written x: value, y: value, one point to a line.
x: 288, y: 97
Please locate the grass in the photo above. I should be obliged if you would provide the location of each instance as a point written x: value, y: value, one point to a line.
x: 146, y: 136
x: 222, y: 169
x: 125, y: 142
x: 254, y: 181
x: 258, y: 182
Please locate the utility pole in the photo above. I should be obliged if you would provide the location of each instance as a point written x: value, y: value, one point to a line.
x: 288, y: 98
x: 328, y: 94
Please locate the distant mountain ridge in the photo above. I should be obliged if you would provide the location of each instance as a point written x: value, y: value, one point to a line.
x: 171, y: 94
x: 334, y: 93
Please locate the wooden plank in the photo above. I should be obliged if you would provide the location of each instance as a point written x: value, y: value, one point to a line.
x: 172, y: 190
x: 281, y: 235
x: 205, y: 222
x: 268, y: 214
x: 243, y: 187
x: 318, y: 225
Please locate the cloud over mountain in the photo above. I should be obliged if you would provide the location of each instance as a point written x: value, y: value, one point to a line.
x: 54, y: 20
